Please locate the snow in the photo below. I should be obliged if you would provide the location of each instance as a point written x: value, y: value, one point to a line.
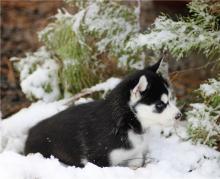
x: 109, y: 23
x: 213, y: 87
x: 203, y: 126
x: 13, y: 131
x: 179, y: 37
x: 207, y: 89
x: 107, y: 85
x: 39, y: 75
x: 63, y: 15
x: 183, y: 157
x: 153, y: 40
x: 168, y: 157
x: 200, y: 116
x: 83, y: 100
x: 122, y: 61
x: 78, y: 19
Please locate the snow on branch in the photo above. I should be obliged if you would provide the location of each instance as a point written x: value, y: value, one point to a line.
x: 199, y: 33
x: 204, y: 117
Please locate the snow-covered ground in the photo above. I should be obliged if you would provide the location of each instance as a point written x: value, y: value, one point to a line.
x: 168, y: 157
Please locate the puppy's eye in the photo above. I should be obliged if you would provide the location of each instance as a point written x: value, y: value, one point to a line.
x: 160, y: 106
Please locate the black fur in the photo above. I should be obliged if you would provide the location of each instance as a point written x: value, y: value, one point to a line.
x: 91, y: 131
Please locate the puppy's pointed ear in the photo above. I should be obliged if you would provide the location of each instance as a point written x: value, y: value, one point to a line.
x: 163, y: 70
x: 155, y: 67
x: 161, y: 67
x: 141, y: 86
x: 136, y: 91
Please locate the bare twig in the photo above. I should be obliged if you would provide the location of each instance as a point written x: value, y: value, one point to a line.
x: 81, y: 94
x: 176, y: 73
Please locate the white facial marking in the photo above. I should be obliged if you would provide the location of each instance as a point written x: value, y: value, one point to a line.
x: 140, y: 87
x: 133, y: 157
x: 164, y: 98
x: 148, y: 115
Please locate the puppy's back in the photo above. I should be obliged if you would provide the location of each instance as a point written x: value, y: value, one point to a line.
x: 61, y: 134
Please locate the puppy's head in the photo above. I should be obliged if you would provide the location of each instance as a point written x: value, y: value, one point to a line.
x: 150, y: 99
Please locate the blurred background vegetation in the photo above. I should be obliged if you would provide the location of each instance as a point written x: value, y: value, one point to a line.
x: 21, y: 20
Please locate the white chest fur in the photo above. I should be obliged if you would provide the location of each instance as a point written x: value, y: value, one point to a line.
x: 133, y: 157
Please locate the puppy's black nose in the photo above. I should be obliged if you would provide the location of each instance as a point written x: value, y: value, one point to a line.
x: 178, y: 116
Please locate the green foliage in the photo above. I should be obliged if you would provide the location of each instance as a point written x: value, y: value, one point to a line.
x: 59, y: 37
x: 75, y: 57
x: 204, y: 118
x: 198, y: 33
x: 111, y: 25
x: 47, y: 88
x: 102, y: 39
x: 201, y: 135
x: 205, y: 15
x: 84, y: 42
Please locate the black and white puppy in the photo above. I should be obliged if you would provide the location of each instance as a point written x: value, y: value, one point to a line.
x: 108, y: 132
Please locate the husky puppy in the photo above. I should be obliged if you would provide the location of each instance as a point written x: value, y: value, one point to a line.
x: 111, y: 131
